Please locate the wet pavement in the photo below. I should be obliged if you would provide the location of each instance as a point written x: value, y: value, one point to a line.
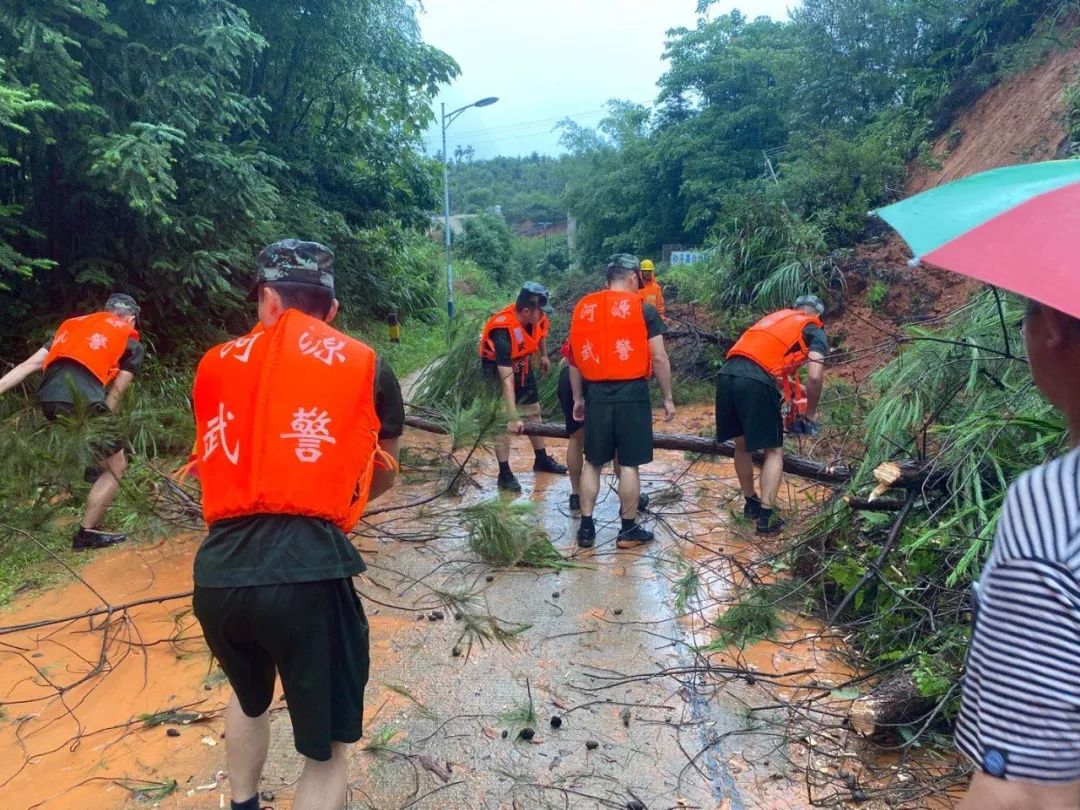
x: 605, y: 647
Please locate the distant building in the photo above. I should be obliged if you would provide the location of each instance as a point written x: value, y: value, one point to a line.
x: 686, y: 257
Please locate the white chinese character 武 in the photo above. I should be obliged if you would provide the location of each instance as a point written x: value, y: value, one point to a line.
x: 621, y: 309
x: 588, y: 313
x: 327, y: 350
x: 60, y: 338
x: 309, y: 429
x: 588, y: 352
x: 215, y: 435
x: 115, y: 323
x: 98, y: 341
x: 623, y: 349
x: 242, y: 347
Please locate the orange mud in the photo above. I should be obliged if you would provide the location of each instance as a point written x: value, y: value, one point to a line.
x: 90, y: 749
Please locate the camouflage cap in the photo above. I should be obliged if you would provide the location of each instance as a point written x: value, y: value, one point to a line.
x: 541, y: 292
x: 626, y: 260
x: 811, y: 301
x: 296, y: 262
x: 124, y: 302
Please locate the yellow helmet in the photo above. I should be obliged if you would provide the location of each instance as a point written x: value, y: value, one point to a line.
x: 647, y: 266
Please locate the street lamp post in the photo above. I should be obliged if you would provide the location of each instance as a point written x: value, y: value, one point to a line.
x: 447, y: 120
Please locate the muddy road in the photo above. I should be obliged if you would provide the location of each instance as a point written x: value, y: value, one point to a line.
x: 123, y: 709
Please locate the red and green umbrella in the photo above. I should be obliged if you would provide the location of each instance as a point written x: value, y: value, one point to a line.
x: 1017, y: 228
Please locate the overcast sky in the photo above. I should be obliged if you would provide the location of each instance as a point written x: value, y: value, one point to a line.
x: 550, y: 59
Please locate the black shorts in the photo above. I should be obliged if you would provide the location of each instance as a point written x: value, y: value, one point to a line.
x: 313, y: 634
x: 566, y: 401
x: 622, y: 429
x: 526, y: 392
x: 749, y: 408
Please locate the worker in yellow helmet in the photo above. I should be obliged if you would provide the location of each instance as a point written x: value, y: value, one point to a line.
x: 650, y: 291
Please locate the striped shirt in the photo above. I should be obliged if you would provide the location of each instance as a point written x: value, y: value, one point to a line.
x: 1020, y: 715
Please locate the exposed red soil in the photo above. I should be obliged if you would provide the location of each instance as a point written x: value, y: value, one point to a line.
x: 1019, y: 120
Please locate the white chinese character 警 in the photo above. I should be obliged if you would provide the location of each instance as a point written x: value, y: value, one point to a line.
x: 588, y: 313
x: 242, y: 347
x: 623, y: 349
x: 98, y: 341
x: 588, y: 352
x: 327, y: 350
x: 215, y: 435
x: 309, y: 429
x: 621, y: 309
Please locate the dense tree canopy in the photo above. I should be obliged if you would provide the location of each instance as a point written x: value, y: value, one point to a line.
x: 155, y: 146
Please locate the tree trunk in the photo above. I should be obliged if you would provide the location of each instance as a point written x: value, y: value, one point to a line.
x: 890, y: 703
x: 795, y: 465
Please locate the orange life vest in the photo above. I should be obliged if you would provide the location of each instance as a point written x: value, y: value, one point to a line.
x: 776, y: 342
x: 286, y: 424
x: 542, y: 328
x: 652, y: 294
x: 522, y: 344
x: 96, y: 342
x: 609, y: 338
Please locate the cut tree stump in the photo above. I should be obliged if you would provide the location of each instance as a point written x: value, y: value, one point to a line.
x: 892, y: 702
x: 907, y: 475
x: 795, y: 465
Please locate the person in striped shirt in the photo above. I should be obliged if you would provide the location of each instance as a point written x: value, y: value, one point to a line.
x: 1020, y: 716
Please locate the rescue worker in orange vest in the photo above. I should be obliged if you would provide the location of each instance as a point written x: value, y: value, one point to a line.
x: 508, y: 343
x: 650, y: 290
x: 617, y: 344
x: 297, y: 428
x: 88, y: 365
x: 575, y: 434
x: 748, y: 398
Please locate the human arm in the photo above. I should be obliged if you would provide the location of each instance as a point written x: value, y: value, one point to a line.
x: 506, y: 382
x: 1019, y: 720
x: 577, y: 389
x: 117, y: 389
x: 662, y: 371
x: 390, y: 408
x: 815, y: 382
x: 500, y: 339
x: 989, y: 793
x: 545, y: 361
x: 818, y: 344
x: 130, y: 365
x: 660, y: 300
x: 382, y: 480
x: 19, y: 373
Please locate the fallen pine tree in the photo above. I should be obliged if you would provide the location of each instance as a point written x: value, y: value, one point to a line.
x: 795, y: 465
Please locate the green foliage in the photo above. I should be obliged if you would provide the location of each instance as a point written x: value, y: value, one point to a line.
x: 486, y: 240
x: 815, y: 117
x: 753, y: 618
x: 876, y: 295
x: 509, y: 534
x: 157, y: 147
x: 527, y: 189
